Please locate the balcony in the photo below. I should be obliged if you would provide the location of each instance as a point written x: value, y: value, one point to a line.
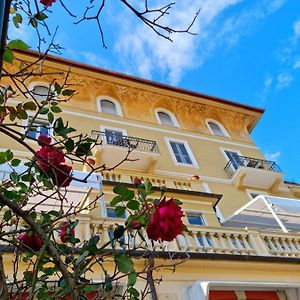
x: 115, y: 147
x: 253, y: 172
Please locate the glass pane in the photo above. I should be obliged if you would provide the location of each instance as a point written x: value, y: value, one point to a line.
x: 108, y: 107
x: 111, y: 213
x: 176, y: 151
x: 215, y: 128
x: 165, y: 119
x: 195, y: 219
x: 40, y: 92
x: 44, y: 130
x: 114, y: 137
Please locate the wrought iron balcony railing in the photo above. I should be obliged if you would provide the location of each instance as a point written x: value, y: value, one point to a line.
x: 130, y: 142
x: 237, y: 161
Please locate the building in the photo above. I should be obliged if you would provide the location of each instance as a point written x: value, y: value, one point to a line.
x: 198, y: 147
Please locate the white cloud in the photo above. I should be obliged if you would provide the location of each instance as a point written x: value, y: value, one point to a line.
x: 297, y: 28
x: 296, y: 64
x: 283, y: 80
x: 144, y: 53
x: 273, y: 156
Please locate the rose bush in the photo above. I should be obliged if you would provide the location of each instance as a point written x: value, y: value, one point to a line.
x: 165, y: 223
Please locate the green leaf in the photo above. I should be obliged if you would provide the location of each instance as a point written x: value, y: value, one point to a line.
x: 148, y: 185
x: 83, y: 149
x: 120, y: 210
x: 133, y: 292
x: 29, y: 105
x: 8, y: 56
x: 56, y: 109
x: 57, y: 88
x: 118, y: 232
x: 178, y: 202
x: 124, y: 192
x: 9, y: 155
x: 33, y: 22
x: 17, y: 44
x: 14, y: 177
x: 115, y: 200
x: 124, y: 263
x: 133, y: 204
x: 68, y: 92
x: 2, y: 158
x: 50, y: 117
x: 41, y: 16
x: 44, y: 110
x: 131, y: 279
x: 17, y: 19
x: 15, y: 162
x: 69, y: 145
x: 7, y: 215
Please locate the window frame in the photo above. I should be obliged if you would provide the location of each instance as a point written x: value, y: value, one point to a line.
x: 114, y: 101
x: 221, y: 127
x: 170, y: 114
x: 194, y: 163
x: 230, y: 150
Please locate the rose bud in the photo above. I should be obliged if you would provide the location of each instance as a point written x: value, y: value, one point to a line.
x: 33, y: 242
x: 91, y: 161
x: 44, y: 140
x: 135, y: 224
x: 47, y: 3
x: 66, y: 232
x: 137, y: 181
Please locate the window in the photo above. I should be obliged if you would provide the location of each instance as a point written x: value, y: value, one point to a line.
x: 196, y: 219
x: 165, y: 117
x: 114, y: 137
x: 39, y: 127
x: 235, y: 159
x: 109, y: 106
x: 216, y: 128
x: 41, y: 92
x: 180, y: 152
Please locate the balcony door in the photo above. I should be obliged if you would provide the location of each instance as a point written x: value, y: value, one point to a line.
x: 235, y: 159
x: 114, y: 137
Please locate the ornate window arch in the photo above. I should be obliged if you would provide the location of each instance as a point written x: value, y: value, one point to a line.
x: 109, y: 105
x: 165, y: 117
x: 216, y: 128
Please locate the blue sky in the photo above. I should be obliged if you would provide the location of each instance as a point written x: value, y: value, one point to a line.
x: 247, y: 51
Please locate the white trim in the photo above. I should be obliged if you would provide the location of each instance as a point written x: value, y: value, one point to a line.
x: 170, y: 114
x: 98, y: 118
x: 33, y: 84
x: 188, y: 149
x: 206, y: 187
x: 231, y: 150
x: 222, y: 128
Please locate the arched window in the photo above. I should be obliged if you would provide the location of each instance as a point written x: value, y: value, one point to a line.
x: 166, y: 118
x: 41, y: 92
x: 109, y: 106
x: 216, y: 128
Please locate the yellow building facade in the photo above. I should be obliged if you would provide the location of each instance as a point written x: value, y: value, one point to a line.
x: 199, y: 148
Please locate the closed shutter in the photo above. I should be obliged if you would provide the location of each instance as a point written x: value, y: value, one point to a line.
x: 222, y: 295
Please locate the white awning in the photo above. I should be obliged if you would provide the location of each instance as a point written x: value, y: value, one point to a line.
x: 267, y: 213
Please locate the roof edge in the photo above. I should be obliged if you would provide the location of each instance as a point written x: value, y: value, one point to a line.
x: 140, y: 80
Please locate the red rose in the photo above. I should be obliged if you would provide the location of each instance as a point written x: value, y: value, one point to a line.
x: 61, y: 175
x: 51, y: 155
x: 32, y: 241
x: 44, y: 140
x: 165, y: 223
x: 66, y: 232
x: 137, y: 181
x: 47, y: 3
